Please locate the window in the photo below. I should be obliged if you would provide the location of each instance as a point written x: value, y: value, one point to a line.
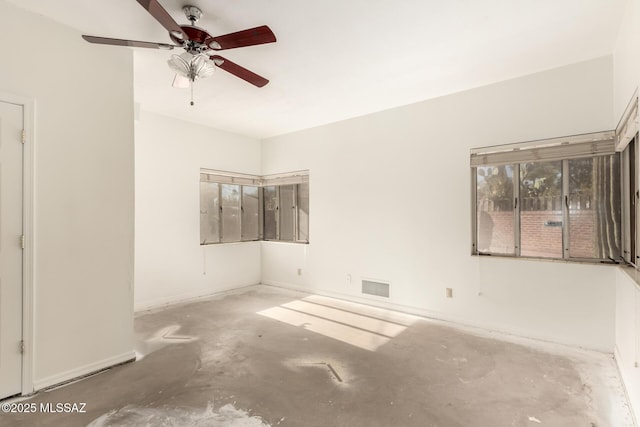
x: 495, y: 197
x: 594, y: 208
x: 270, y: 212
x: 302, y: 206
x: 237, y: 207
x: 230, y: 212
x: 627, y: 142
x: 250, y: 213
x: 286, y: 212
x: 209, y: 212
x: 229, y: 207
x: 541, y: 209
x: 630, y: 199
x: 557, y: 199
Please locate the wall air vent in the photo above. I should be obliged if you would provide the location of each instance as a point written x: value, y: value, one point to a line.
x: 380, y: 289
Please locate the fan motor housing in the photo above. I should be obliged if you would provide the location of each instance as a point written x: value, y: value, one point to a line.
x: 196, y: 34
x: 198, y: 37
x: 192, y: 13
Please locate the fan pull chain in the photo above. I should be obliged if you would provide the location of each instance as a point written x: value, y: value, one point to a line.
x: 191, y: 86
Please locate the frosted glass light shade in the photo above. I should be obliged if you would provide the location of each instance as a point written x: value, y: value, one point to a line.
x: 202, y: 66
x: 191, y: 66
x: 181, y: 63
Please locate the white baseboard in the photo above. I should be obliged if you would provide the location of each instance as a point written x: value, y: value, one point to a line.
x: 471, y: 324
x: 83, y: 370
x: 634, y: 407
x: 181, y: 298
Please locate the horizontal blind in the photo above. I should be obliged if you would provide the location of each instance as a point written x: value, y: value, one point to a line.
x: 259, y: 181
x: 229, y: 178
x: 285, y: 180
x: 543, y: 152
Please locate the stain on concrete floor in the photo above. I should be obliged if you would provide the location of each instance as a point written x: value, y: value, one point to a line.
x: 226, y: 416
x: 220, y: 358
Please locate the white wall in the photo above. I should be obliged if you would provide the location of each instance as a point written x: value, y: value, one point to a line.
x: 627, y: 349
x: 626, y: 58
x: 390, y: 200
x: 170, y: 263
x: 626, y: 79
x: 83, y: 192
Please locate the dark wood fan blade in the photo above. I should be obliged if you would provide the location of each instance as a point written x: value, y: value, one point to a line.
x: 121, y: 42
x: 250, y: 37
x: 163, y: 17
x: 238, y: 71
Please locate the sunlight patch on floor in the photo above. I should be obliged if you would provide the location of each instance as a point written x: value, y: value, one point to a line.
x: 362, y: 326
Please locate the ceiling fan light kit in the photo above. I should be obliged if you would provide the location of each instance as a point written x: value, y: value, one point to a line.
x: 197, y: 60
x: 192, y: 66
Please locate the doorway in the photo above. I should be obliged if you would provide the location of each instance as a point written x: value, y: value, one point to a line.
x: 11, y: 247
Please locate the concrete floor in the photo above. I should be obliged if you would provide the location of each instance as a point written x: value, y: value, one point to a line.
x: 269, y: 357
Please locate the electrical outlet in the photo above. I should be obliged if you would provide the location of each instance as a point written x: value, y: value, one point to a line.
x: 348, y: 278
x: 449, y: 293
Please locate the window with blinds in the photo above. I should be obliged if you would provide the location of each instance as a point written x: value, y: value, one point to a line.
x: 627, y: 140
x: 238, y: 207
x: 286, y: 212
x: 558, y: 198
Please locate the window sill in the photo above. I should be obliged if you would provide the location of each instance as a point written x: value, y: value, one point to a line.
x: 285, y: 242
x: 557, y: 260
x: 228, y: 243
x: 252, y: 241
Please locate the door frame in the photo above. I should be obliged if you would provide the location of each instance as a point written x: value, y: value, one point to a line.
x: 28, y: 254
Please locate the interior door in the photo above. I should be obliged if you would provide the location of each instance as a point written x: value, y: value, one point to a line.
x: 11, y: 151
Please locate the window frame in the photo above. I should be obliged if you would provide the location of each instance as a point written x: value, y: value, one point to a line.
x: 516, y: 217
x: 238, y: 223
x: 630, y: 183
x: 299, y: 239
x: 276, y: 214
x: 295, y: 213
x: 217, y: 210
x: 221, y: 178
x: 243, y: 235
x: 511, y: 152
x: 628, y: 144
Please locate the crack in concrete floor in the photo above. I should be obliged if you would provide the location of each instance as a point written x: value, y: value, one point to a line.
x: 330, y: 368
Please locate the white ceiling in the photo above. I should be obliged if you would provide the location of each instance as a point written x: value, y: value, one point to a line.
x: 336, y: 59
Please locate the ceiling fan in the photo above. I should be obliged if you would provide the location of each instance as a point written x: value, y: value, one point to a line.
x: 198, y: 60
